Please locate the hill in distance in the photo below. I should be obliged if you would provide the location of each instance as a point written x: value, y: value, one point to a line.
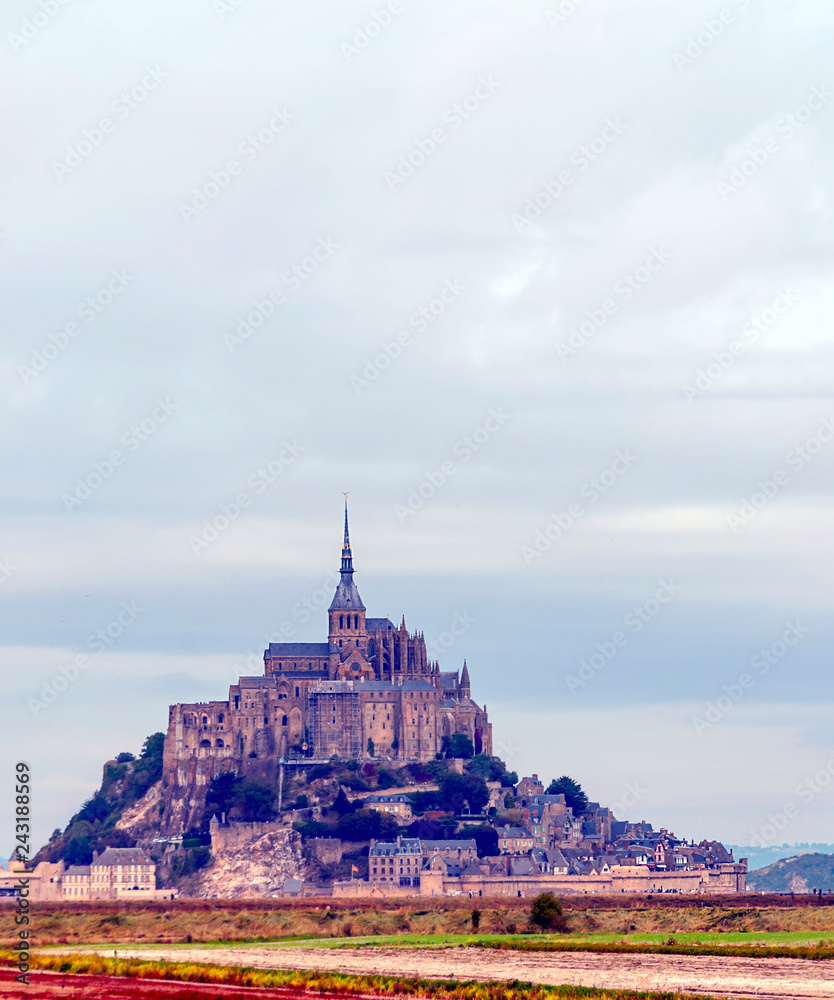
x: 800, y: 874
x: 761, y: 857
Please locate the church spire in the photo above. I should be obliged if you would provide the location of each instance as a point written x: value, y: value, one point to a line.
x: 347, y: 555
x: 346, y: 596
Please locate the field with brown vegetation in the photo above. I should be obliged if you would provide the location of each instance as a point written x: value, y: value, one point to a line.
x: 186, y: 921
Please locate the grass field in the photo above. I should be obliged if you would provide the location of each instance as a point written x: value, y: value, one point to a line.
x: 760, y: 924
x: 781, y: 944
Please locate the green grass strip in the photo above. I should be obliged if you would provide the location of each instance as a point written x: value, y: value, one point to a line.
x: 815, y: 953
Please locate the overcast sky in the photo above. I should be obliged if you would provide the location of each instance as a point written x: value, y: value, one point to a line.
x: 545, y: 285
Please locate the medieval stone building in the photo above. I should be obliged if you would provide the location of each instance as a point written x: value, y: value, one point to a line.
x: 368, y: 690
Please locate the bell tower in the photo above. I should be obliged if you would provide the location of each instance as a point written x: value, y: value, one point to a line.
x: 346, y: 614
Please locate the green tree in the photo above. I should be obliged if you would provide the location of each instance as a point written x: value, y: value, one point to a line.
x: 371, y: 747
x: 221, y: 793
x: 366, y: 824
x: 546, y: 913
x: 458, y: 745
x: 255, y: 801
x: 312, y: 828
x: 458, y: 790
x: 79, y: 851
x: 491, y: 769
x: 485, y: 837
x: 575, y: 797
x: 342, y: 804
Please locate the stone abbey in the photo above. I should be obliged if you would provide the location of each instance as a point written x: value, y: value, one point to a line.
x: 369, y: 690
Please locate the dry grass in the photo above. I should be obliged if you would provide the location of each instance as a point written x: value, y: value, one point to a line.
x: 203, y: 921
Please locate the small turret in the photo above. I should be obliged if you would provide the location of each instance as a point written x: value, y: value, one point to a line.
x: 465, y: 689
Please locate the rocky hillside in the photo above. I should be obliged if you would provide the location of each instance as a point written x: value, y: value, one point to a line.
x: 137, y: 806
x: 256, y: 868
x: 801, y: 874
x: 129, y: 785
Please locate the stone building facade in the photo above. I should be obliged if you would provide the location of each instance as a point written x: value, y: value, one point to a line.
x: 369, y: 690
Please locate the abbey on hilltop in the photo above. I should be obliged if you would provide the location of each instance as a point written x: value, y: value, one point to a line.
x: 369, y: 690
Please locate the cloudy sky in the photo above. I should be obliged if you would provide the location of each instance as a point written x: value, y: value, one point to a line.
x: 545, y: 285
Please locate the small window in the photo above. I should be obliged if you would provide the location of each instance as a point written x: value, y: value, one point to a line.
x: 341, y: 621
x: 221, y: 718
x: 356, y: 621
x: 284, y: 720
x: 298, y: 692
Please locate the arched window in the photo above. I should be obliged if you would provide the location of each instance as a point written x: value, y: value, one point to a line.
x: 221, y: 717
x: 356, y: 621
x: 205, y: 743
x: 284, y: 720
x: 341, y: 621
x: 219, y: 743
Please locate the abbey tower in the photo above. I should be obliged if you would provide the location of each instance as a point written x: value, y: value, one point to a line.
x: 369, y: 686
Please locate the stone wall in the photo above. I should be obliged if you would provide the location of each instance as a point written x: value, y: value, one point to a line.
x: 727, y: 879
x: 327, y: 850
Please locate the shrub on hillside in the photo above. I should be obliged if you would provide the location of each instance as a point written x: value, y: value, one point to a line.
x: 458, y: 745
x: 310, y: 828
x: 546, y: 913
x: 366, y: 825
x: 485, y: 837
x: 460, y: 790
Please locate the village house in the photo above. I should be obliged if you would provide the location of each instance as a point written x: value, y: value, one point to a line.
x: 398, y: 806
x: 514, y: 840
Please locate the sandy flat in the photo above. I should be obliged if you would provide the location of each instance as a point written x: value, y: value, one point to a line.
x: 776, y: 978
